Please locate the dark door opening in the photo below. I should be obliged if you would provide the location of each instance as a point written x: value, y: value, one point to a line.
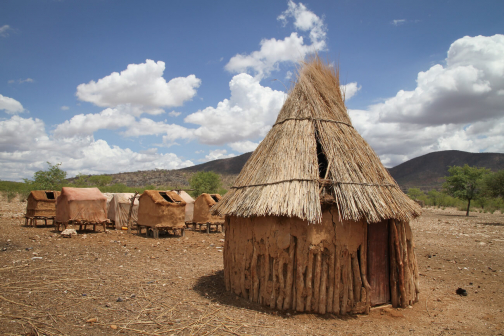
x: 214, y: 198
x: 378, y: 264
x: 49, y: 195
x: 166, y: 197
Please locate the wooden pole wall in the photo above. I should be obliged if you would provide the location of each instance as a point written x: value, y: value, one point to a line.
x: 321, y: 278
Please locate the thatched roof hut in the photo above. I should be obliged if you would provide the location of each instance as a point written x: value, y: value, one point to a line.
x: 41, y: 203
x: 161, y: 209
x: 202, y: 205
x: 119, y: 209
x: 314, y: 221
x: 83, y: 206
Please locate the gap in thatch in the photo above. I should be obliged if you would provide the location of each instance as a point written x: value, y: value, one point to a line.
x: 166, y: 197
x: 50, y: 195
x: 321, y: 159
x: 214, y: 198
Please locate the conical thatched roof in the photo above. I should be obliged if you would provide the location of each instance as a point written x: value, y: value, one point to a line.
x: 282, y: 177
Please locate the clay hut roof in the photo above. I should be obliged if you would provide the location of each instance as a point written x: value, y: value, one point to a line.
x: 312, y: 144
x: 158, y: 197
x: 211, y: 199
x: 44, y: 195
x: 82, y: 194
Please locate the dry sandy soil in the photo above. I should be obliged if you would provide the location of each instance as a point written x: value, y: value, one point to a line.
x: 119, y: 284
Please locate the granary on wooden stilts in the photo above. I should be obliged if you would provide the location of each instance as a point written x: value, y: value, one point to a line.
x: 314, y: 221
x: 119, y: 209
x: 161, y: 211
x: 81, y: 206
x: 202, y: 213
x: 41, y: 205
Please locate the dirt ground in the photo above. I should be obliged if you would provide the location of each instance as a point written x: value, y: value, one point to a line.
x: 115, y: 283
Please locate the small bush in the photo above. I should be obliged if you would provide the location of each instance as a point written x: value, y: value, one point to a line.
x: 9, y: 195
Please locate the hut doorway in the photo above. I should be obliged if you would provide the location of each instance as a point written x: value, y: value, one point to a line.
x: 378, y: 267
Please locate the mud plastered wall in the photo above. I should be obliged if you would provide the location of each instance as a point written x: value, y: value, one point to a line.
x: 286, y: 264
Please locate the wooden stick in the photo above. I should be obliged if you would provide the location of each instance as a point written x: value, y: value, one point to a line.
x: 337, y: 280
x: 264, y: 277
x: 330, y: 291
x: 309, y: 281
x: 323, y: 286
x: 316, y: 289
x: 400, y: 265
x: 394, y: 297
x: 281, y: 291
x: 351, y: 299
x: 273, y: 287
x: 290, y: 271
x: 254, y: 276
x: 357, y: 284
x: 365, y: 281
x: 300, y: 285
x: 131, y: 211
x: 344, y: 278
x: 18, y: 303
x: 242, y: 277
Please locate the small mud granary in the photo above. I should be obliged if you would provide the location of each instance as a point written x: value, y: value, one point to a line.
x: 202, y: 207
x: 314, y: 221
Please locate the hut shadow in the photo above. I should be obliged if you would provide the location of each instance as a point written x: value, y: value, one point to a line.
x: 212, y: 287
x: 162, y: 235
x: 451, y: 215
x: 492, y: 224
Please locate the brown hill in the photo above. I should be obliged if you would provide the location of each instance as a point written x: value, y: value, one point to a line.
x: 231, y: 166
x: 427, y: 171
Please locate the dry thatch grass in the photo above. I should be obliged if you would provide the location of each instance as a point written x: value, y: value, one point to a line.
x: 283, y: 175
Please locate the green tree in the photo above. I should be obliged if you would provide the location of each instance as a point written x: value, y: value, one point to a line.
x: 494, y: 184
x: 51, y: 179
x: 417, y: 194
x: 100, y: 180
x: 434, y: 197
x: 205, y: 182
x: 80, y: 181
x: 465, y: 182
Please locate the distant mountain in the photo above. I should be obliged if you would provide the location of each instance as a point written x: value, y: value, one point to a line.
x: 427, y: 171
x: 231, y: 166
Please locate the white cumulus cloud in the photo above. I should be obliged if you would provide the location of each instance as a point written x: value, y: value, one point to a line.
x: 216, y: 155
x: 174, y: 114
x: 140, y: 85
x: 398, y: 22
x: 5, y: 30
x: 465, y: 90
x: 10, y: 105
x: 290, y: 49
x: 243, y: 146
x: 248, y: 114
x: 25, y: 148
x: 456, y: 106
x: 349, y: 90
x: 87, y: 124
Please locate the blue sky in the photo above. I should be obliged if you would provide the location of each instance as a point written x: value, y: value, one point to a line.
x: 112, y: 86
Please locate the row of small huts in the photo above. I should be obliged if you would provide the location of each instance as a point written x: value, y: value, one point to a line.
x: 89, y: 206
